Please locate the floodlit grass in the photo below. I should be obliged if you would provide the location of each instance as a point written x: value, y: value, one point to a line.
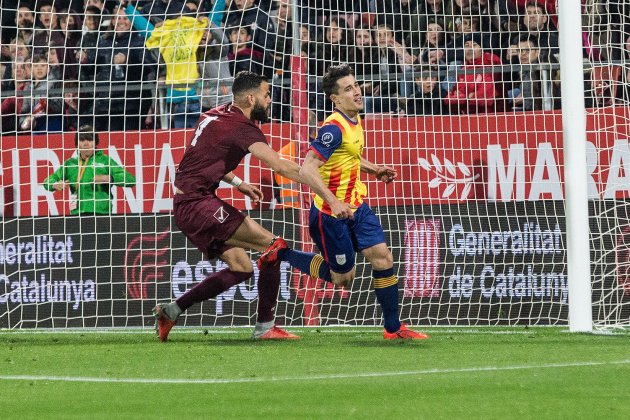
x: 330, y: 373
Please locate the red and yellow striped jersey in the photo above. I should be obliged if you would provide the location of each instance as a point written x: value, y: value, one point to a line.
x: 339, y: 144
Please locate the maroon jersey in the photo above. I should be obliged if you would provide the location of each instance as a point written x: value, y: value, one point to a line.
x: 220, y: 142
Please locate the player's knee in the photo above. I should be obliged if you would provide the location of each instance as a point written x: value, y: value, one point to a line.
x: 241, y: 265
x: 383, y: 262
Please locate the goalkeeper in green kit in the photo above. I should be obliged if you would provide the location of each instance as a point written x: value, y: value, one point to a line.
x: 89, y: 174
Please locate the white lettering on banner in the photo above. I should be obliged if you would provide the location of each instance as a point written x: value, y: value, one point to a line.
x: 167, y: 165
x: 619, y: 170
x: 15, y: 155
x: 37, y: 190
x: 530, y: 239
x: 183, y: 280
x: 510, y: 284
x: 44, y: 249
x: 545, y: 161
x: 25, y: 291
x: 506, y: 177
x: 508, y: 183
x: 592, y: 160
x: 134, y: 200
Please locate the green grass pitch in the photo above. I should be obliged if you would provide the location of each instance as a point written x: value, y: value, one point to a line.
x: 331, y: 373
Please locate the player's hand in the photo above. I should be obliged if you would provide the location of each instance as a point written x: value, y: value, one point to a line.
x: 252, y: 192
x: 102, y: 179
x: 386, y: 174
x: 342, y: 210
x: 60, y: 186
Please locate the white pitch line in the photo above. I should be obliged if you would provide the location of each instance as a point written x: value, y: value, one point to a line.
x: 305, y: 378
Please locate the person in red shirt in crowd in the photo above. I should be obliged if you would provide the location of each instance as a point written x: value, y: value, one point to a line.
x: 474, y: 91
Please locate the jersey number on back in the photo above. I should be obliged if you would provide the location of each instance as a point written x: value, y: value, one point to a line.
x: 200, y: 128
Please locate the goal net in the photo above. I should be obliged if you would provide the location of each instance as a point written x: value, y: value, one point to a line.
x: 461, y: 97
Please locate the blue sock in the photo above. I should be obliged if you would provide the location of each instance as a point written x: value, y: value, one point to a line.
x: 307, y: 262
x: 386, y: 290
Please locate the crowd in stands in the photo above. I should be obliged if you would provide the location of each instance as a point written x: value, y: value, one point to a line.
x: 100, y: 62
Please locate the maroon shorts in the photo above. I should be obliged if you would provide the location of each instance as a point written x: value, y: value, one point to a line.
x: 207, y: 221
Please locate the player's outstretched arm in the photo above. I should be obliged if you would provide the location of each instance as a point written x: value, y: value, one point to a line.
x: 311, y: 176
x: 272, y: 159
x: 382, y: 173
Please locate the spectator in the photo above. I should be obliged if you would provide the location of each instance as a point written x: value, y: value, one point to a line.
x: 526, y: 94
x: 41, y: 108
x: 178, y: 40
x: 364, y: 56
x: 281, y: 86
x: 15, y: 51
x: 464, y: 26
x: 122, y: 65
x: 216, y: 79
x: 427, y: 98
x: 429, y: 11
x: 393, y: 59
x: 247, y: 13
x: 47, y: 31
x: 56, y: 66
x: 434, y: 40
x: 85, y: 55
x: 398, y: 15
x: 536, y: 23
x: 474, y: 91
x: 89, y: 175
x: 11, y: 107
x: 70, y: 25
x: 25, y: 23
x: 157, y: 11
x: 76, y: 110
x: 331, y: 46
x: 105, y: 12
x: 242, y: 55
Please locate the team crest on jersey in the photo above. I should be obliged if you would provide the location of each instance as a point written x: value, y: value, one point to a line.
x: 341, y: 259
x: 221, y: 215
x: 327, y: 138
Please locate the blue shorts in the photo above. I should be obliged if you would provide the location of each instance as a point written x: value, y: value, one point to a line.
x: 339, y: 239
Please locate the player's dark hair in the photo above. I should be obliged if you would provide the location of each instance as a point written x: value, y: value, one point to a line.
x: 86, y: 132
x: 333, y: 74
x: 246, y: 81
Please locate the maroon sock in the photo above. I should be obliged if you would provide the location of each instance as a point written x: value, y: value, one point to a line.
x: 268, y: 286
x: 211, y: 286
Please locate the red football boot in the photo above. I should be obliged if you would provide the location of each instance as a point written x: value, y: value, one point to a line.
x: 276, y: 333
x: 404, y: 333
x: 270, y: 255
x: 163, y: 324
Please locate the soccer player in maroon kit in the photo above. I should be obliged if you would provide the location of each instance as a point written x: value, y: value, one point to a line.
x: 224, y: 135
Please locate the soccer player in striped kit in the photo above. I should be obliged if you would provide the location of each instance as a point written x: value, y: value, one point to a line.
x: 341, y: 224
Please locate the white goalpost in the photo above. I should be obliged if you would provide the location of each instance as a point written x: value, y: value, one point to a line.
x: 506, y: 120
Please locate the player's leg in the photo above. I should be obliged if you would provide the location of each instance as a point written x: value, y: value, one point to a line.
x: 333, y: 238
x: 239, y: 269
x: 253, y: 236
x: 370, y: 238
x: 268, y: 286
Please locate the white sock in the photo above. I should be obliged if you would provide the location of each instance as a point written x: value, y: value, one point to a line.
x: 261, y: 328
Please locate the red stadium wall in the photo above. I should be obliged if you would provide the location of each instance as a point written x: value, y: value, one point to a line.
x: 440, y: 160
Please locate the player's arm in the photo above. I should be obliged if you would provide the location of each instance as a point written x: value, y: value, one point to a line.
x: 272, y: 159
x: 311, y: 176
x: 383, y: 173
x: 249, y: 190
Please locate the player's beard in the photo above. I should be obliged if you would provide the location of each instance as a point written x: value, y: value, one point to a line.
x: 260, y: 113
